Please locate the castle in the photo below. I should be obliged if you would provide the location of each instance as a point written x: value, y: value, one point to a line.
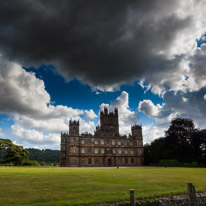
x: 105, y: 148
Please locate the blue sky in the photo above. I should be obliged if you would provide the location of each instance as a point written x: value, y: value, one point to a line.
x: 62, y: 61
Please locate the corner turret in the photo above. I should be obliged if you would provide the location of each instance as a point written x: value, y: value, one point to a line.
x: 74, y: 128
x: 136, y: 131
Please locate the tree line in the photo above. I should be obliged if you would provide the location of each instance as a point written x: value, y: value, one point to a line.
x: 182, y: 145
x: 12, y: 154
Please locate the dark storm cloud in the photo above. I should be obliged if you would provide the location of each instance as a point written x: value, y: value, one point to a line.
x: 102, y: 43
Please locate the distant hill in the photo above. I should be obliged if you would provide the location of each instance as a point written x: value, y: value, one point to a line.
x: 45, y: 155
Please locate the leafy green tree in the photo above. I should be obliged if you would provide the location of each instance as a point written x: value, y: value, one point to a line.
x: 12, y: 153
x: 179, y: 138
x: 182, y: 143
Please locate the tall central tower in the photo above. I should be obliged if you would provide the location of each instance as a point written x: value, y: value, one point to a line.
x: 109, y: 121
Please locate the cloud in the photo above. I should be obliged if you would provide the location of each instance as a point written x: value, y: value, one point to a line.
x: 178, y: 104
x: 153, y: 131
x: 134, y: 40
x: 148, y: 108
x: 89, y: 114
x: 36, y: 120
x: 1, y: 132
x: 22, y: 92
x: 126, y: 117
x: 33, y: 136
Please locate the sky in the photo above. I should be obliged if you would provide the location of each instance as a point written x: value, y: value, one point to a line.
x: 63, y: 60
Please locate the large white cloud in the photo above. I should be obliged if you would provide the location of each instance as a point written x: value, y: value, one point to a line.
x: 21, y: 91
x: 149, y: 108
x: 36, y: 120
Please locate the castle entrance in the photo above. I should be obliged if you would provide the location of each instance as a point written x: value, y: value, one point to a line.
x: 109, y: 162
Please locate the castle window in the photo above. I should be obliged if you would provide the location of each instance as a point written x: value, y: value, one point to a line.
x: 82, y: 150
x: 120, y: 161
x: 113, y: 151
x: 89, y: 151
x: 120, y: 151
x: 74, y: 161
x: 96, y: 161
x: 113, y: 142
x: 125, y: 151
x: 89, y: 141
x: 74, y: 150
x: 96, y: 150
x: 102, y: 151
x: 126, y: 161
x: 131, y: 151
x: 132, y: 161
x: 75, y: 130
x: 125, y: 142
x: 63, y: 148
x: 89, y: 161
x: 119, y: 142
x: 82, y: 141
x: 83, y: 161
x: 131, y: 143
x: 108, y: 142
x: 102, y: 141
x: 96, y: 142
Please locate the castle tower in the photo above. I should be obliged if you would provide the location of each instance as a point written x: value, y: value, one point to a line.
x: 74, y: 128
x: 137, y: 132
x: 109, y: 121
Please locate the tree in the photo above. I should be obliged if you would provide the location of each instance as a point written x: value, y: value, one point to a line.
x: 182, y: 142
x: 198, y: 146
x: 179, y: 138
x: 12, y: 153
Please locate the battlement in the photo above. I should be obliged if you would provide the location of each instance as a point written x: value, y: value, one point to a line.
x: 136, y: 126
x: 111, y: 113
x: 74, y: 122
x: 74, y: 127
x: 137, y: 131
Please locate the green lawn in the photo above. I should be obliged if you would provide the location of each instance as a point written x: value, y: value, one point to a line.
x: 62, y: 186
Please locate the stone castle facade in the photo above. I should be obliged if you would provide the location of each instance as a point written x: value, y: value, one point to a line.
x: 105, y: 148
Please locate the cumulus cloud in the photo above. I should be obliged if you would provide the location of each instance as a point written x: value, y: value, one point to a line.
x: 101, y: 43
x: 153, y: 131
x: 22, y: 92
x: 36, y: 120
x: 148, y: 108
x: 34, y: 136
x: 126, y: 117
x: 178, y: 104
x: 89, y: 114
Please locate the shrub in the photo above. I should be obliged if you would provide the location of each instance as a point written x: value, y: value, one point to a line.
x: 31, y: 163
x: 194, y: 164
x: 186, y: 164
x: 170, y: 163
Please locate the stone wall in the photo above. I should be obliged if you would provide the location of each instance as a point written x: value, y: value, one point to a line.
x: 183, y: 200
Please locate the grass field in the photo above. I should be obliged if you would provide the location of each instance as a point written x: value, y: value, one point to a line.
x: 61, y: 186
